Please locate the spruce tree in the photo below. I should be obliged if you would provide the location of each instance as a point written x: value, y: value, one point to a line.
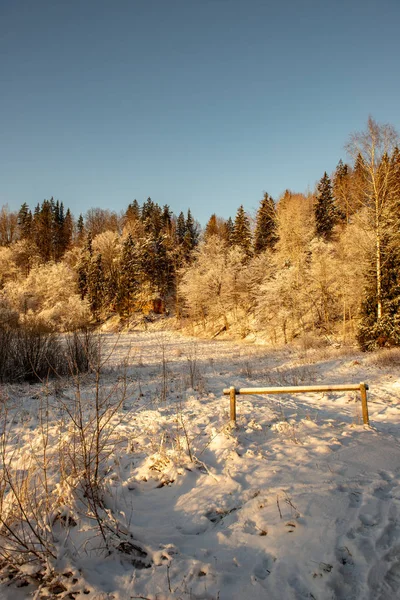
x: 67, y: 230
x: 128, y: 283
x: 385, y: 331
x: 191, y: 237
x: 228, y: 234
x: 241, y: 235
x: 96, y: 286
x: 211, y: 227
x: 166, y: 219
x: 25, y: 222
x: 265, y: 235
x: 180, y: 228
x: 216, y: 226
x: 58, y: 230
x: 325, y: 210
x: 43, y: 229
x: 132, y: 213
x: 80, y: 227
x: 342, y: 192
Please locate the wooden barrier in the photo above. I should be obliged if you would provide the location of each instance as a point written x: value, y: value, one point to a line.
x: 362, y: 387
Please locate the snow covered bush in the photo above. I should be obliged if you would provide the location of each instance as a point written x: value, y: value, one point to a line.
x: 47, y: 296
x: 58, y: 478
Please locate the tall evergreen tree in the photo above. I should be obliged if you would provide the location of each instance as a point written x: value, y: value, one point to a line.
x: 212, y: 227
x: 68, y: 228
x: 43, y: 229
x: 166, y: 219
x: 191, y: 238
x: 128, y: 283
x: 265, y: 235
x: 180, y: 228
x: 216, y: 226
x: 132, y: 213
x: 325, y: 210
x: 58, y: 230
x: 342, y: 192
x: 241, y: 235
x: 374, y: 332
x: 96, y: 286
x: 229, y: 228
x: 25, y: 222
x: 80, y: 226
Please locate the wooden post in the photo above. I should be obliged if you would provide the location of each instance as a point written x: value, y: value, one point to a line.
x: 363, y: 390
x: 232, y: 394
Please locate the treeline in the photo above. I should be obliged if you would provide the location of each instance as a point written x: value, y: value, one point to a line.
x: 326, y: 263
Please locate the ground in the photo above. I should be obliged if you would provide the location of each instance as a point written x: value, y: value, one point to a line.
x: 299, y: 500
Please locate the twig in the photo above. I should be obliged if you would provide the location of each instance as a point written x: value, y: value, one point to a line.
x: 279, y: 508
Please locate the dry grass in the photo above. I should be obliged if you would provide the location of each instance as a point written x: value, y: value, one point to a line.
x: 387, y: 358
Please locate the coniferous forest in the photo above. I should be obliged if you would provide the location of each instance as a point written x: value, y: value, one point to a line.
x: 317, y: 265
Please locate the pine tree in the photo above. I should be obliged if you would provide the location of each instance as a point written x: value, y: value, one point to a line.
x: 43, y: 229
x: 132, y: 213
x: 58, y: 230
x: 342, y: 192
x: 128, y: 283
x: 67, y: 230
x: 374, y: 332
x: 229, y: 231
x: 152, y: 218
x: 191, y: 237
x: 25, y: 222
x: 166, y: 219
x: 265, y: 235
x: 147, y: 210
x: 180, y: 228
x: 80, y: 227
x: 212, y: 227
x: 241, y: 235
x: 216, y: 226
x: 325, y: 210
x: 96, y: 286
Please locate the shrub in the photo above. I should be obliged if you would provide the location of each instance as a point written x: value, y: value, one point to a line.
x: 29, y: 353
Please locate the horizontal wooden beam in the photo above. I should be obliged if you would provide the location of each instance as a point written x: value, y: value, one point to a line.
x: 294, y: 389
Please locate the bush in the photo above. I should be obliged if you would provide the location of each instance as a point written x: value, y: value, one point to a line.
x: 380, y: 334
x: 28, y: 353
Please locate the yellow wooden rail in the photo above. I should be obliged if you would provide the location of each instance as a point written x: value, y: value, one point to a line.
x: 294, y: 389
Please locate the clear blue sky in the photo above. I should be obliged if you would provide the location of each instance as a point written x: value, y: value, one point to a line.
x: 197, y: 103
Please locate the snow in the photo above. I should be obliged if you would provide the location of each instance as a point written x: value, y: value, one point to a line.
x: 300, y: 500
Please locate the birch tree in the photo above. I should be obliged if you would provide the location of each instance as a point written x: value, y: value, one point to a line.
x: 373, y: 149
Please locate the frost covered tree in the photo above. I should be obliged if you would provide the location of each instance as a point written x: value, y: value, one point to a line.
x: 379, y: 186
x: 47, y: 298
x: 209, y: 285
x: 8, y: 226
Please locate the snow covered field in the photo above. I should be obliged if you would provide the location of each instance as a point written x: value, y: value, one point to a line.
x: 299, y: 501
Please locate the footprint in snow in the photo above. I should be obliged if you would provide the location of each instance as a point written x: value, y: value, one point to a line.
x: 263, y: 569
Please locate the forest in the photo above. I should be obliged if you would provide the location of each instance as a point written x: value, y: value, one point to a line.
x: 321, y: 265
